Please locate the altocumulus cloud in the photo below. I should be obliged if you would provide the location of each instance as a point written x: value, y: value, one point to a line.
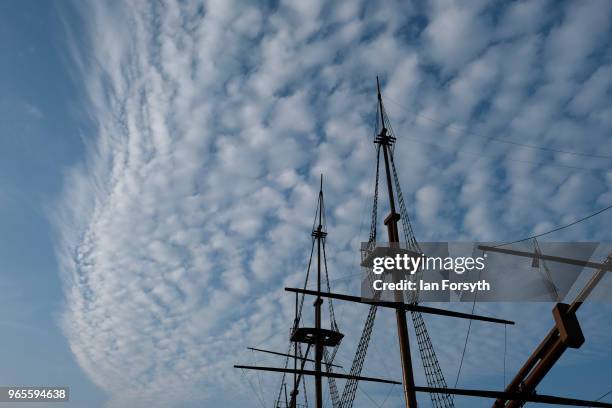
x: 213, y: 121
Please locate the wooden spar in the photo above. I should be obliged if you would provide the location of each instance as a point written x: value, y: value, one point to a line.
x: 314, y: 373
x: 290, y: 356
x: 402, y: 306
x: 514, y: 396
x: 570, y: 261
x: 519, y: 397
x: 565, y: 334
x: 550, y: 350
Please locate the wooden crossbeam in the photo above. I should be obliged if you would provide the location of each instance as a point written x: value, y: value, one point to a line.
x: 515, y: 396
x: 290, y: 356
x: 550, y: 350
x: 509, y: 396
x: 314, y: 373
x: 560, y: 259
x: 404, y: 306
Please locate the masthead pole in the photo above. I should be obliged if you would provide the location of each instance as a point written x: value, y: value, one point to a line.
x: 385, y: 141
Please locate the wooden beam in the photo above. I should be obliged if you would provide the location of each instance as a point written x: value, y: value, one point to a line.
x: 548, y: 352
x: 570, y: 261
x: 313, y: 373
x: 515, y: 396
x: 290, y: 356
x: 404, y: 306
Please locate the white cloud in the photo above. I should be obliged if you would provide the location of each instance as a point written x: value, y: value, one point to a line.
x: 585, y: 26
x: 33, y: 111
x: 456, y: 34
x: 193, y: 206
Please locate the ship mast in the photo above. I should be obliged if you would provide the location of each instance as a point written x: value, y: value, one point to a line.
x: 386, y: 141
x: 317, y: 337
x: 319, y: 234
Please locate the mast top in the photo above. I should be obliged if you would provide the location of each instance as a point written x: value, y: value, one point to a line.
x: 320, y: 230
x: 380, y: 105
x: 383, y: 137
x: 321, y: 188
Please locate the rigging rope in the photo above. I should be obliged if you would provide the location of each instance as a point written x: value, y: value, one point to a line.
x: 604, y: 396
x: 350, y: 387
x: 298, y: 316
x: 332, y: 315
x: 368, y: 396
x: 388, y: 394
x: 431, y: 366
x: 304, y: 356
x: 304, y: 382
x: 258, y: 378
x: 505, y: 351
x: 283, y: 382
x: 467, y: 336
x: 253, y: 388
x: 333, y: 389
x: 301, y: 306
x: 501, y: 140
x: 557, y: 228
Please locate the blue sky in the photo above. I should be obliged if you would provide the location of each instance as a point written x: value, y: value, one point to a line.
x: 39, y: 137
x: 159, y: 166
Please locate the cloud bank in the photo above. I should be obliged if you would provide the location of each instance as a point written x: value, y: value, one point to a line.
x: 192, y: 208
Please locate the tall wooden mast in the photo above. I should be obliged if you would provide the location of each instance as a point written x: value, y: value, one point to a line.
x: 386, y: 141
x: 319, y: 234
